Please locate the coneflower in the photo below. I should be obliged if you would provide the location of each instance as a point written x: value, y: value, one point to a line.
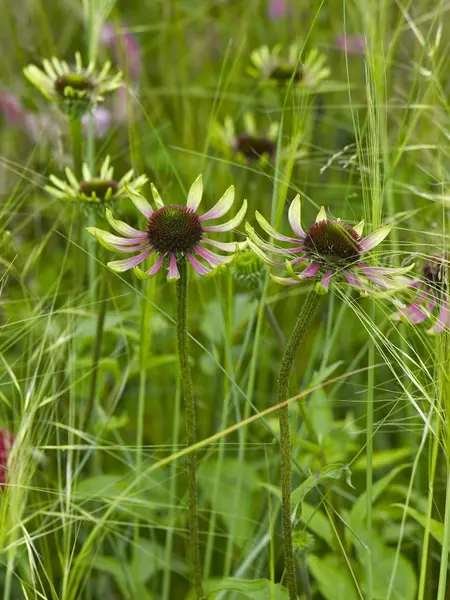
x: 274, y: 67
x: 432, y: 297
x: 91, y: 190
x: 173, y: 233
x: 176, y: 235
x: 75, y: 89
x: 330, y: 250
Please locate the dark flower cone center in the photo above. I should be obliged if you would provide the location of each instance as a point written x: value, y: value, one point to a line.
x: 435, y: 271
x: 333, y: 241
x: 98, y: 187
x: 174, y: 228
x: 253, y: 146
x: 76, y: 81
x: 286, y: 73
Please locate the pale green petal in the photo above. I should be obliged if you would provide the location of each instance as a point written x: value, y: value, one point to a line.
x: 139, y: 201
x: 195, y: 194
x: 156, y: 197
x: 322, y: 215
x: 359, y: 228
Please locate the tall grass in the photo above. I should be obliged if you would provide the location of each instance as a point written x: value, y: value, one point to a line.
x: 95, y: 503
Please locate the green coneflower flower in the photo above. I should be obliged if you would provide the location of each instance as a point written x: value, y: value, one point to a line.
x: 92, y: 190
x: 76, y: 90
x: 273, y: 68
x: 250, y: 143
x: 330, y: 250
x: 174, y: 233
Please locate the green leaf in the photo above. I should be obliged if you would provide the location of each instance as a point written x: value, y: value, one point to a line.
x: 359, y: 510
x: 383, y: 559
x: 436, y: 528
x: 333, y: 579
x: 382, y: 459
x: 259, y: 589
x: 320, y: 413
x: 328, y: 472
x: 317, y: 522
x: 230, y: 494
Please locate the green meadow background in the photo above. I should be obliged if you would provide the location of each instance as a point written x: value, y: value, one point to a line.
x: 98, y: 509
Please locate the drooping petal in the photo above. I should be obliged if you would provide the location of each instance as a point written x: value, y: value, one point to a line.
x: 114, y: 242
x: 156, y: 197
x: 270, y: 247
x: 226, y: 246
x: 124, y: 228
x: 285, y: 280
x: 273, y: 232
x: 321, y: 215
x: 195, y: 194
x: 232, y: 223
x: 173, y: 273
x: 310, y: 270
x: 299, y: 259
x: 258, y: 251
x: 443, y: 319
x: 294, y: 216
x: 413, y: 313
x: 374, y: 238
x: 211, y: 258
x: 324, y: 283
x: 139, y: 201
x: 221, y: 207
x: 156, y: 267
x: 353, y: 279
x: 119, y: 266
x: 201, y: 269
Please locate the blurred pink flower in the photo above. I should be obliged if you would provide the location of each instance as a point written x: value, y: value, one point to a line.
x: 352, y: 44
x: 6, y: 444
x: 124, y: 46
x: 11, y: 108
x: 102, y: 121
x: 277, y: 9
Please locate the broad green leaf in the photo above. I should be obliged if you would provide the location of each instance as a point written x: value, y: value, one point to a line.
x: 333, y: 578
x: 123, y: 576
x: 320, y: 413
x: 259, y: 589
x: 230, y: 494
x: 317, y: 522
x: 328, y: 472
x: 382, y: 459
x: 436, y: 527
x: 359, y: 510
x: 383, y: 558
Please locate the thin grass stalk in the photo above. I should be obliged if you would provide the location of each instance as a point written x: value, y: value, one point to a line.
x: 301, y: 326
x: 189, y: 403
x: 369, y: 467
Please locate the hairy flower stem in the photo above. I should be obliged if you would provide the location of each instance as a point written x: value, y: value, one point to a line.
x: 189, y: 403
x: 76, y: 134
x: 301, y: 326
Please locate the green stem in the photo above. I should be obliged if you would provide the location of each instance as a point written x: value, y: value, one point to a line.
x: 300, y: 328
x: 369, y: 469
x: 101, y: 317
x: 189, y: 403
x: 76, y: 134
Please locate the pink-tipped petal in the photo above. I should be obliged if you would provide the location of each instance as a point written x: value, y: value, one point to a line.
x: 119, y: 266
x: 285, y: 280
x: 201, y: 269
x: 173, y: 268
x: 310, y: 271
x: 222, y: 206
x: 299, y: 259
x: 325, y: 281
x: 156, y: 267
x: 211, y: 258
x: 124, y: 228
x: 375, y: 238
x: 353, y: 279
